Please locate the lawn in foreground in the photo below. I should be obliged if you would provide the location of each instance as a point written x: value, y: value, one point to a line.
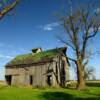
x: 15, y: 93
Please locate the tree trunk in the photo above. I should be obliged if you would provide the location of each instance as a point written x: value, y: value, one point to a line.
x: 80, y: 76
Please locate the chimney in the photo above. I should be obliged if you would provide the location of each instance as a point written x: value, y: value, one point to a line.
x: 36, y: 50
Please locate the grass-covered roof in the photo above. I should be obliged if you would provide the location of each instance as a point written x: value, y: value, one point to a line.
x: 39, y: 57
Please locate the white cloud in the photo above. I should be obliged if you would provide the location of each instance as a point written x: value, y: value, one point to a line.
x: 2, y: 73
x: 97, y: 11
x: 8, y: 49
x: 99, y: 27
x: 49, y: 27
x: 91, y: 29
x: 8, y: 52
x: 5, y: 56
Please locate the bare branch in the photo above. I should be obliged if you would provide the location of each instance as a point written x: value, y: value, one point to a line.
x: 85, y: 64
x: 8, y: 8
x: 65, y: 42
x: 94, y: 33
x: 71, y: 59
x: 78, y: 30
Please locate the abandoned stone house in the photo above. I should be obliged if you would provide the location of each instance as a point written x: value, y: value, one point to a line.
x: 39, y: 68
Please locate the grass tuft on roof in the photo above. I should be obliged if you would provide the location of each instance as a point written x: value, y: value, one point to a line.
x: 30, y: 58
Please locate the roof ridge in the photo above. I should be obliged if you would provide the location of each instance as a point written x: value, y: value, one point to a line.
x: 39, y: 57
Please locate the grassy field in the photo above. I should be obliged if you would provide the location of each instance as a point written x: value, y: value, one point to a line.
x: 15, y: 93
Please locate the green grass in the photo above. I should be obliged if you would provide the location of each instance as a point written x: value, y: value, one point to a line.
x: 93, y: 83
x: 15, y: 93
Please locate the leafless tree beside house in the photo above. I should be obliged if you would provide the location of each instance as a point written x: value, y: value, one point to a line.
x: 81, y: 25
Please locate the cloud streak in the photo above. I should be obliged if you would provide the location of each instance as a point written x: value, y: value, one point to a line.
x: 97, y: 11
x: 8, y: 52
x: 6, y: 56
x: 49, y: 27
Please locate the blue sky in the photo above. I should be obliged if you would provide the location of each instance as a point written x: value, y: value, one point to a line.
x: 33, y: 24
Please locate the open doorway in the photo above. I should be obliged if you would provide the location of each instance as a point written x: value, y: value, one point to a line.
x: 8, y: 79
x: 49, y: 80
x: 62, y: 74
x: 31, y: 80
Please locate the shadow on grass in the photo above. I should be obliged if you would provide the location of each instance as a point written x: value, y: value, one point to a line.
x: 3, y: 87
x: 93, y: 84
x: 63, y: 96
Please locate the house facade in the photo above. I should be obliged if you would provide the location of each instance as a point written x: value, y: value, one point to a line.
x: 39, y: 68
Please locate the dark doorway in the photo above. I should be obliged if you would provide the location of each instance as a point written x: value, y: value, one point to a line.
x: 49, y: 80
x: 62, y: 74
x: 56, y: 72
x: 8, y: 79
x: 31, y: 80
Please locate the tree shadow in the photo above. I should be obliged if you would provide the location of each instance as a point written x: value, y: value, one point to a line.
x: 93, y: 84
x: 3, y: 87
x: 64, y: 96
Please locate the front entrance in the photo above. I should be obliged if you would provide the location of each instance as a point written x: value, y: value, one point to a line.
x: 8, y: 79
x: 62, y: 74
x: 31, y: 80
x: 49, y: 80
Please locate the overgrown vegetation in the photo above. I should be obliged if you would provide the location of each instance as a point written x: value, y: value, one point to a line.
x: 30, y: 58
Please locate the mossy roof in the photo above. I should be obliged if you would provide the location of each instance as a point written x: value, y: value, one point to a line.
x: 39, y: 57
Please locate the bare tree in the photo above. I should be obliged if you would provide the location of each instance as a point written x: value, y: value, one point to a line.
x: 89, y: 73
x: 81, y: 25
x: 5, y: 9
